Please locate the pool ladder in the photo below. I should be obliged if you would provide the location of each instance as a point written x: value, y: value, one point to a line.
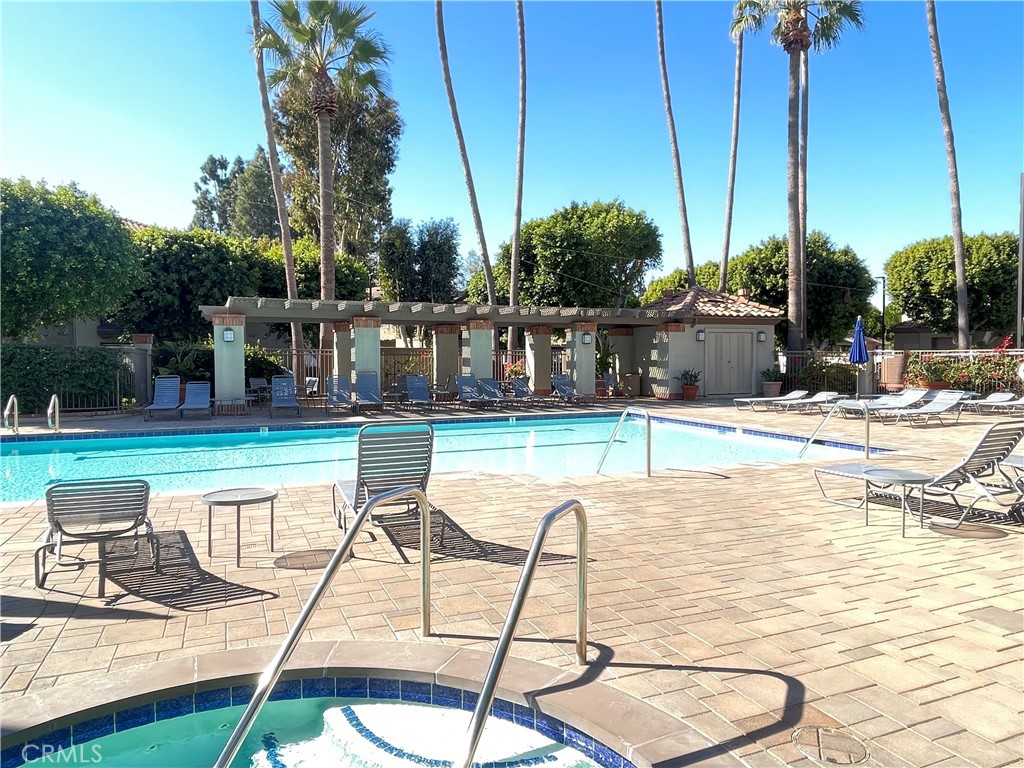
x: 53, y: 414
x: 272, y: 673
x: 11, y: 409
x: 615, y: 432
x: 824, y: 421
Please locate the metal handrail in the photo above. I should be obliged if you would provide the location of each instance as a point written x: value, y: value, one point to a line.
x: 53, y: 414
x: 483, y: 705
x: 273, y: 671
x: 615, y: 432
x: 11, y: 409
x: 824, y: 421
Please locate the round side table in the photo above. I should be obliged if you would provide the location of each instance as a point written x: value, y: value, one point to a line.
x: 237, y: 498
x: 903, y: 478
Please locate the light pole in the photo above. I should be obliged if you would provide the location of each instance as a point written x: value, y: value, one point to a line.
x: 882, y: 278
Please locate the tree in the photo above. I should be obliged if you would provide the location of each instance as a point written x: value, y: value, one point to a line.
x: 215, y: 203
x: 674, y: 143
x: 513, y: 290
x: 255, y: 215
x: 586, y: 255
x: 923, y: 282
x: 463, y: 154
x: 396, y: 263
x: 331, y: 39
x: 963, y: 328
x: 291, y: 286
x: 64, y: 255
x: 420, y: 264
x: 182, y: 271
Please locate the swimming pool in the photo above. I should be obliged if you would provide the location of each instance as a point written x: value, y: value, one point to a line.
x: 200, y: 460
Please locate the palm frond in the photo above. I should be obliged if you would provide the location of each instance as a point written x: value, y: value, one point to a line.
x: 750, y: 16
x: 832, y: 18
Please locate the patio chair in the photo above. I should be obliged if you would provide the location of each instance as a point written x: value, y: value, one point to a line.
x: 490, y: 388
x: 368, y: 391
x: 282, y: 394
x: 197, y: 398
x: 388, y: 456
x: 817, y: 402
x: 768, y: 402
x: 469, y: 393
x: 904, y: 399
x: 945, y: 401
x: 992, y: 403
x: 339, y: 395
x: 259, y: 389
x: 521, y: 390
x: 312, y: 385
x: 417, y: 392
x: 95, y: 512
x: 166, y: 397
x: 566, y: 392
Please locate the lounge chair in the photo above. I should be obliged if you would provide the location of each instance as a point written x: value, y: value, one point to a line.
x: 768, y: 402
x: 259, y: 388
x: 521, y: 391
x: 166, y: 397
x: 339, y: 395
x: 566, y: 392
x: 368, y: 391
x: 282, y: 394
x: 818, y: 401
x: 992, y: 403
x: 312, y: 385
x: 469, y: 393
x: 197, y: 398
x: 904, y: 399
x: 95, y: 512
x: 417, y: 392
x: 945, y: 401
x: 388, y: 456
x: 490, y: 388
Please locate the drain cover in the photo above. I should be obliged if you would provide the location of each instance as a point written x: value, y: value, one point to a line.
x: 830, y: 745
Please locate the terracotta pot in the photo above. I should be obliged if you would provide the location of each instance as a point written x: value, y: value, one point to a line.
x: 771, y: 388
x: 933, y: 384
x: 690, y: 391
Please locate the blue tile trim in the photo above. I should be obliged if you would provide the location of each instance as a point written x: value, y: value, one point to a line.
x: 325, y: 687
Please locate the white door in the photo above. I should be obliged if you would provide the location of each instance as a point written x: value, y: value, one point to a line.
x: 729, y: 363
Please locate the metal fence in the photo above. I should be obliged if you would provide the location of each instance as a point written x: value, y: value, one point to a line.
x: 114, y: 394
x: 399, y: 361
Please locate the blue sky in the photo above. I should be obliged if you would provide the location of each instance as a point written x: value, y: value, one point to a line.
x: 128, y: 99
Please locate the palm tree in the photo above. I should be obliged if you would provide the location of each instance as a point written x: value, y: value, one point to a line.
x: 963, y: 333
x: 443, y: 45
x: 513, y: 280
x: 329, y: 42
x: 291, y: 283
x: 691, y: 275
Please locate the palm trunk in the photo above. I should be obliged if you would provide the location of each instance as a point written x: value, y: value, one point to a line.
x: 963, y: 331
x: 723, y: 269
x: 691, y: 276
x: 802, y: 202
x: 291, y: 283
x: 443, y: 46
x: 323, y: 130
x: 513, y: 279
x: 794, y: 310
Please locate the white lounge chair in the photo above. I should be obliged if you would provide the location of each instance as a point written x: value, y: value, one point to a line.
x: 166, y: 397
x: 197, y: 398
x: 817, y: 401
x: 944, y: 402
x: 992, y: 403
x: 856, y: 408
x: 753, y: 402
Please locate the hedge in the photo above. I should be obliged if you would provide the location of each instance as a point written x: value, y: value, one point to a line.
x: 82, y: 374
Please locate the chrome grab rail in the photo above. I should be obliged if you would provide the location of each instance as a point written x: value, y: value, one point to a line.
x: 273, y: 671
x: 11, y: 409
x: 53, y: 414
x: 615, y: 432
x: 824, y: 421
x: 501, y: 650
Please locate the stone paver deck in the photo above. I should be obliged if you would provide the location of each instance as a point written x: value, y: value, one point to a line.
x: 732, y: 598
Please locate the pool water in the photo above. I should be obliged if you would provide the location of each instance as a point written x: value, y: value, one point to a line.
x: 546, y: 447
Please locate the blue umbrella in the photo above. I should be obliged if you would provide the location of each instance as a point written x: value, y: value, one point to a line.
x: 859, y: 349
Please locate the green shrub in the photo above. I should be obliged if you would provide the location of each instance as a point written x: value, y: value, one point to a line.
x: 261, y: 363
x: 78, y: 374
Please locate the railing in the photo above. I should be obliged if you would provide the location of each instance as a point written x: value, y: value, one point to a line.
x: 483, y: 705
x: 53, y: 414
x: 11, y: 409
x: 824, y: 421
x: 615, y: 432
x: 273, y: 671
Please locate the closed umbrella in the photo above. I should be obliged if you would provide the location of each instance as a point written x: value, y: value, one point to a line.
x: 859, y: 349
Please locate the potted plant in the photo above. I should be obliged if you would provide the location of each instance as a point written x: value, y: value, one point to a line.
x: 689, y: 381
x: 771, y: 381
x: 934, y: 374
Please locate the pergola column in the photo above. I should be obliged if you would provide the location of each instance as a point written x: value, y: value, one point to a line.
x: 229, y: 355
x: 670, y: 361
x: 142, y: 361
x: 342, y: 369
x: 620, y: 340
x: 446, y: 355
x: 582, y: 362
x: 366, y: 340
x: 477, y: 353
x: 538, y: 358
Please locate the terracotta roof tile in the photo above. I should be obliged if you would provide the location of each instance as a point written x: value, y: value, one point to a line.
x: 700, y: 302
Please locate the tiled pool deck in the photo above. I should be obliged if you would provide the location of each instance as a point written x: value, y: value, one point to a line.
x: 733, y: 599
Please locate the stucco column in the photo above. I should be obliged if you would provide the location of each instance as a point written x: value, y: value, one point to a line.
x: 366, y: 339
x: 229, y: 356
x: 478, y: 354
x: 142, y: 364
x: 342, y: 368
x: 582, y: 350
x: 670, y: 361
x: 446, y: 356
x: 538, y: 358
x: 621, y: 342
